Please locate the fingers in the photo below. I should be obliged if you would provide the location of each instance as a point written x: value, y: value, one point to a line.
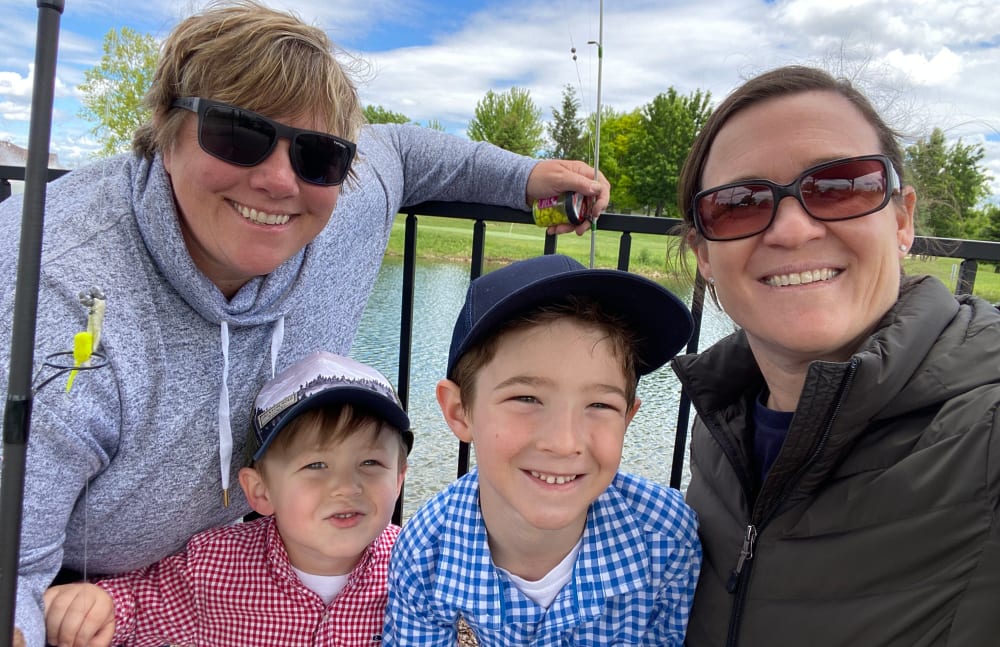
x: 566, y: 227
x: 552, y: 177
x: 597, y: 191
x: 78, y: 615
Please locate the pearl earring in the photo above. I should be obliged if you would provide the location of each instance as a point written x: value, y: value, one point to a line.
x: 902, y: 248
x: 711, y: 281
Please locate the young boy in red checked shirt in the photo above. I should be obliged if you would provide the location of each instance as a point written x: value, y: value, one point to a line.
x: 313, y: 570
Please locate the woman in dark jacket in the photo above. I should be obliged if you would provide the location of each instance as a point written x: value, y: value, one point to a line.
x: 846, y: 457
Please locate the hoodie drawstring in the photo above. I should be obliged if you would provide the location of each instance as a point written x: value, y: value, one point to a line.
x: 225, y: 424
x: 225, y: 418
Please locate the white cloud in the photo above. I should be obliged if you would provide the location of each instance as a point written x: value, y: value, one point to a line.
x: 13, y: 84
x: 12, y: 111
x: 943, y: 69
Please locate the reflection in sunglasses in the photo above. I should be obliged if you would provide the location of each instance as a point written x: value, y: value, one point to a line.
x: 838, y: 190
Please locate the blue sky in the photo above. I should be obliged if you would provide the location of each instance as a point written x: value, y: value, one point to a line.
x: 926, y: 63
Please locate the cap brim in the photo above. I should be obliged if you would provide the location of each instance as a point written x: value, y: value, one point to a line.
x: 660, y: 320
x: 353, y: 395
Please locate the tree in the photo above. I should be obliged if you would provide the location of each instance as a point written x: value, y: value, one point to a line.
x: 949, y: 185
x: 378, y: 115
x: 618, y: 129
x: 566, y: 129
x: 511, y: 120
x: 114, y: 88
x: 434, y: 124
x: 669, y: 124
x: 991, y: 224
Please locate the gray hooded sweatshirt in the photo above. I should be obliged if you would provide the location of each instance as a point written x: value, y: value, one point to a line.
x: 125, y: 467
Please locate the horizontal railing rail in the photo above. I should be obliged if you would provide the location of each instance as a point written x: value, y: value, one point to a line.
x: 971, y: 253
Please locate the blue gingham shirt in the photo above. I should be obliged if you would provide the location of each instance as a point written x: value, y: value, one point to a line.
x: 633, y: 581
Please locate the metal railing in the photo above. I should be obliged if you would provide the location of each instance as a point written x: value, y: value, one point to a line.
x: 971, y: 252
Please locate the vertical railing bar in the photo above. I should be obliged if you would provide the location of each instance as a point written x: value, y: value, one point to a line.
x: 966, y: 276
x: 406, y: 329
x: 550, y: 244
x: 475, y: 271
x: 624, y: 250
x: 684, y: 405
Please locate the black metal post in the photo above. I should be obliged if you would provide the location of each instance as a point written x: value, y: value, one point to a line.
x: 475, y: 271
x: 966, y: 276
x: 684, y: 406
x: 17, y: 414
x: 406, y: 331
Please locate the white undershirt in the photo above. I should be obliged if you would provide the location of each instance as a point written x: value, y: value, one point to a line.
x: 325, y: 586
x: 542, y: 592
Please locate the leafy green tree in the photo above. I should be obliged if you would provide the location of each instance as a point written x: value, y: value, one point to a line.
x: 566, y: 128
x: 990, y: 217
x: 618, y: 129
x: 950, y: 184
x: 113, y: 89
x: 378, y: 115
x: 434, y: 124
x: 668, y: 126
x: 511, y: 120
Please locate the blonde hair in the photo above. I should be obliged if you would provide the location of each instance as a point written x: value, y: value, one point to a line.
x: 248, y: 55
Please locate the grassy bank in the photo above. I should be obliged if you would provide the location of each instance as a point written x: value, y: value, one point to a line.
x: 652, y: 255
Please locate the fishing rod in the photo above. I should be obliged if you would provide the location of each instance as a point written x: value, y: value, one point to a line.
x: 17, y: 412
x: 568, y: 207
x: 597, y: 124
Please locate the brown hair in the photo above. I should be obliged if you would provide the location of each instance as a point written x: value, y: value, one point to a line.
x: 586, y: 312
x: 779, y: 82
x: 327, y: 425
x: 248, y: 55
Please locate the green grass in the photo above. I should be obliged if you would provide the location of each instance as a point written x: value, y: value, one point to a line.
x: 987, y: 280
x: 451, y: 239
x: 652, y: 255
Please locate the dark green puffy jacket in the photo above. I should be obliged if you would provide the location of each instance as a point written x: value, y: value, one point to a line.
x: 879, y: 522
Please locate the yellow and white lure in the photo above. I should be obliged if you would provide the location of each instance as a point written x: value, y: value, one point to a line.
x: 85, y: 343
x: 83, y: 348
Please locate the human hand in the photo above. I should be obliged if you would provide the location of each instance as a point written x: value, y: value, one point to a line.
x: 79, y: 615
x: 553, y: 177
x: 18, y: 638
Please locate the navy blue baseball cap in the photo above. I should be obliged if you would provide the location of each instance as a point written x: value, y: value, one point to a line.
x: 661, y: 322
x: 320, y: 379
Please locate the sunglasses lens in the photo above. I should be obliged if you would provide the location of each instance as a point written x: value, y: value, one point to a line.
x: 845, y: 190
x: 236, y: 136
x: 841, y: 190
x: 321, y: 159
x: 736, y: 211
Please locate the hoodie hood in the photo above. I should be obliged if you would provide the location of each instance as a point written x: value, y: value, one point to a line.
x: 261, y: 300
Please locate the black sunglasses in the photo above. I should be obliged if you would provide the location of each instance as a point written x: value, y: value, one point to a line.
x: 839, y: 190
x: 246, y: 138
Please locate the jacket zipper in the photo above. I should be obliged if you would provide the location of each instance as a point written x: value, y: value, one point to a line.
x: 740, y: 577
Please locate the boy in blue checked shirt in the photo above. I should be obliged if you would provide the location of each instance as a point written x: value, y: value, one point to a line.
x: 545, y: 542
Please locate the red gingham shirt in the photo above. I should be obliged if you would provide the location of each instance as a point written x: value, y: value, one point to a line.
x: 234, y: 586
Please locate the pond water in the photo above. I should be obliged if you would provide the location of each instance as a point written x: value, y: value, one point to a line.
x: 439, y: 292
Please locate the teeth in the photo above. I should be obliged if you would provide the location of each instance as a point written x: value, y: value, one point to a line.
x: 261, y: 217
x: 802, y: 278
x: 343, y: 515
x: 552, y: 479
